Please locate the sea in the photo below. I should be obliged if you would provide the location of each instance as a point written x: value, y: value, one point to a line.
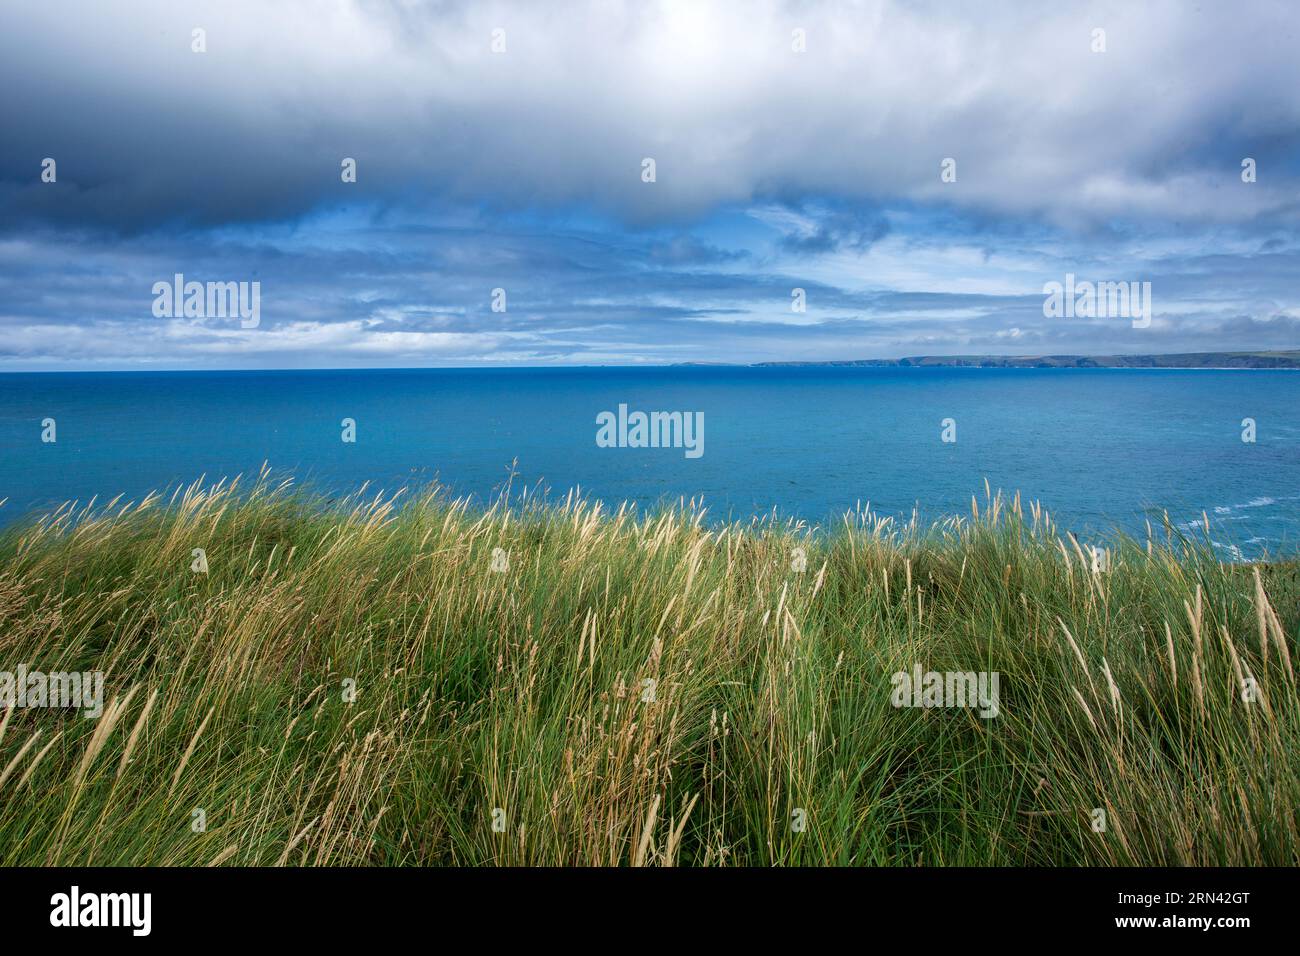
x: 1104, y: 450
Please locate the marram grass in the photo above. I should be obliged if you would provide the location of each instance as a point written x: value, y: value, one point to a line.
x: 354, y: 684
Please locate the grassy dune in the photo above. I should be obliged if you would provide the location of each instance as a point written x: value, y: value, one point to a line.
x: 524, y: 690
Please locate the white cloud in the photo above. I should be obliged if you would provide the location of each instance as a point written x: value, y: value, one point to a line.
x: 1038, y: 124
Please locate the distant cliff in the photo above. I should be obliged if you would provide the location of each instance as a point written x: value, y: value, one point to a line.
x: 1280, y: 359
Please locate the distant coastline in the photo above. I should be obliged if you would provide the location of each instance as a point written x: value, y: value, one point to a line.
x: 1288, y: 359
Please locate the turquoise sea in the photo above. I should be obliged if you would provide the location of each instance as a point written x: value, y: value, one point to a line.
x: 1101, y: 448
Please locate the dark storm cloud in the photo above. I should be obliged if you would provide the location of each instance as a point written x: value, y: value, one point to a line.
x: 146, y: 131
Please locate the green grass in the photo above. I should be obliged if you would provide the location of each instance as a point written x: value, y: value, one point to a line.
x: 525, y: 690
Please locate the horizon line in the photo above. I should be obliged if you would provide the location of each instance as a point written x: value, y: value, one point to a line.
x: 769, y: 363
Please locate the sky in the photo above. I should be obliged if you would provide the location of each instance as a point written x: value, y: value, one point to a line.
x: 502, y: 146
